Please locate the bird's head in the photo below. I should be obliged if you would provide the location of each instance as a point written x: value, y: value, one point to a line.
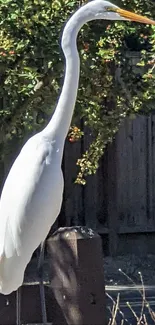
x: 98, y: 9
x: 107, y: 10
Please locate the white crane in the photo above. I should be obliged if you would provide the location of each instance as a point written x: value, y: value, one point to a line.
x: 32, y: 195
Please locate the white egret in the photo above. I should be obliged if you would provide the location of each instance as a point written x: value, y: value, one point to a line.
x: 32, y: 195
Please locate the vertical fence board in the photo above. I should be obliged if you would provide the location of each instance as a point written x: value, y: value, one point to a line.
x: 124, y: 173
x: 102, y: 210
x: 90, y: 191
x: 132, y: 160
x: 112, y: 199
x: 139, y: 202
x: 73, y: 193
x: 92, y: 201
x: 149, y: 171
x: 153, y: 170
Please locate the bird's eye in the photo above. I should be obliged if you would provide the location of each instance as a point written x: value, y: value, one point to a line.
x: 110, y: 9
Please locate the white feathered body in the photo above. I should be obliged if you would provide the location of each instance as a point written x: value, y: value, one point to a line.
x: 30, y: 203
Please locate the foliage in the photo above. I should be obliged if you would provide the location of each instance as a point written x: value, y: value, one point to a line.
x: 32, y: 68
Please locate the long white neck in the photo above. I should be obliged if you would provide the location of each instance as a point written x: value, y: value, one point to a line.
x: 59, y: 124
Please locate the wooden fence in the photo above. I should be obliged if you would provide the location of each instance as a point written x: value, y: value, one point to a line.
x: 119, y: 201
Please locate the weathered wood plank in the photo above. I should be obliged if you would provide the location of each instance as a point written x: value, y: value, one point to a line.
x: 112, y: 199
x: 124, y: 172
x: 149, y: 171
x: 153, y: 170
x: 139, y: 175
x: 73, y: 193
x: 102, y: 197
x: 131, y: 165
x: 90, y: 190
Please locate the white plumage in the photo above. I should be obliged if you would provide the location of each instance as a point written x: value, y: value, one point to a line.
x: 32, y: 195
x: 30, y: 205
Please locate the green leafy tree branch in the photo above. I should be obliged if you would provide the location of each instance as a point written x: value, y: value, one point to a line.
x: 111, y: 86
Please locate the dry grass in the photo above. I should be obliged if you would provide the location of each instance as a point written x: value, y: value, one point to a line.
x: 141, y: 318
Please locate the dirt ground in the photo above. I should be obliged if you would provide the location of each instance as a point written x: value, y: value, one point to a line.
x: 131, y: 265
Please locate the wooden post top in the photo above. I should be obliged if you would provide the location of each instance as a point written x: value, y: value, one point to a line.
x: 78, y: 232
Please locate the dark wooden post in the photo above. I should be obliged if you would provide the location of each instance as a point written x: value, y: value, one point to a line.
x: 77, y: 277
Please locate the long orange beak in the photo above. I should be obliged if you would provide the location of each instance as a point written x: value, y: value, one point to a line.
x: 134, y: 17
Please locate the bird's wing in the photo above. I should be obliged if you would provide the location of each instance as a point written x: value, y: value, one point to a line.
x: 18, y: 190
